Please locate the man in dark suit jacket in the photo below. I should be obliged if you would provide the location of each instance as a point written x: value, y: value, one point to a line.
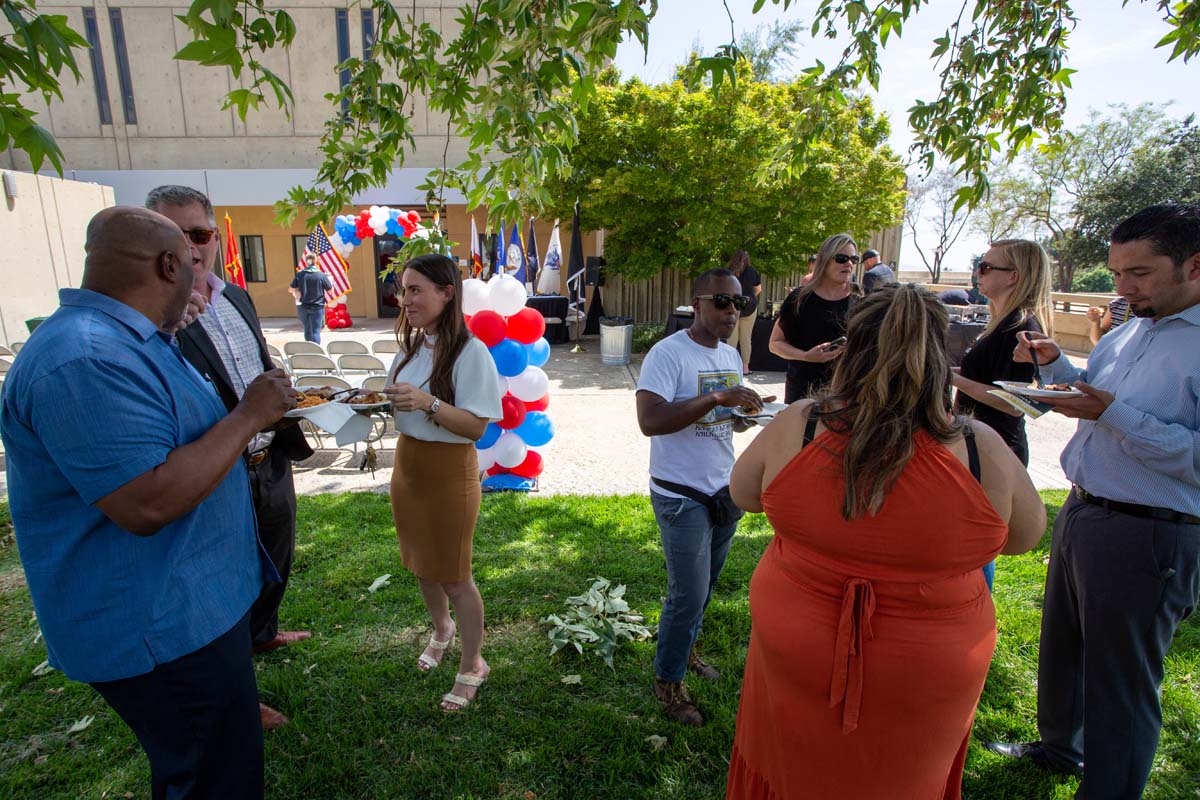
x: 226, y: 346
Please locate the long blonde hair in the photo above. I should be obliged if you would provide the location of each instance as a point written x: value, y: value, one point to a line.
x: 1031, y: 294
x: 829, y: 248
x: 893, y: 381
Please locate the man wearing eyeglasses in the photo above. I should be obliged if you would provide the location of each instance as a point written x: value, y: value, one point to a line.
x: 226, y: 345
x: 688, y: 387
x: 1124, y: 566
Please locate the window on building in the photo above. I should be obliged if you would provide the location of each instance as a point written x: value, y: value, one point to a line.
x: 124, y: 78
x: 368, y: 32
x: 92, y: 32
x: 298, y: 244
x: 342, y: 18
x: 252, y: 259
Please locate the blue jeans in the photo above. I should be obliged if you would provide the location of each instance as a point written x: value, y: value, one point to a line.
x: 989, y: 573
x: 695, y: 551
x: 312, y: 318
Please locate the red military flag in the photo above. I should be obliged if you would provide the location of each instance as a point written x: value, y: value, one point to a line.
x: 233, y: 259
x: 330, y: 262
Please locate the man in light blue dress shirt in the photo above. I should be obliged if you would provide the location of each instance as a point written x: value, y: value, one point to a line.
x: 1125, y: 554
x: 132, y: 510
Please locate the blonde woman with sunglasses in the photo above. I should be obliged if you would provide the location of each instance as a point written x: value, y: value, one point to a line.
x: 1015, y: 276
x: 810, y: 331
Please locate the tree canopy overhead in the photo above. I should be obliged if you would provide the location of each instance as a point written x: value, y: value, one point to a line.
x: 669, y: 173
x: 512, y: 75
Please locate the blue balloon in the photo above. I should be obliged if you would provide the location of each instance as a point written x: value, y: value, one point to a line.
x: 539, y: 352
x: 511, y: 358
x: 508, y: 482
x: 490, y: 434
x: 354, y: 240
x: 536, y: 430
x: 393, y: 227
x: 393, y: 214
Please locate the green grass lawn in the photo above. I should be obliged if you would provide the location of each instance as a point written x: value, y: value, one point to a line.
x: 365, y: 722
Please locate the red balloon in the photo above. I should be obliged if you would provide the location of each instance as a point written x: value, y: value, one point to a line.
x: 526, y: 326
x: 363, y: 229
x: 496, y: 469
x: 467, y: 320
x: 514, y: 412
x: 413, y: 216
x: 531, y: 467
x: 489, y: 327
x: 409, y: 228
x: 538, y: 405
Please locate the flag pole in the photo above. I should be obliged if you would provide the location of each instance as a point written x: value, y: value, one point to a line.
x: 576, y: 264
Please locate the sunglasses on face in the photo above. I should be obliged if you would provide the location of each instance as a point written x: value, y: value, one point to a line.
x: 985, y: 268
x: 842, y: 258
x: 200, y: 235
x: 723, y: 301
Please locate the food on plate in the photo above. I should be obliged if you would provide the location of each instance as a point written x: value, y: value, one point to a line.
x: 1053, y: 387
x: 366, y: 398
x: 310, y: 400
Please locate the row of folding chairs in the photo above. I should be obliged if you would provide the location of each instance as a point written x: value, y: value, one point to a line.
x: 336, y: 348
x: 375, y: 383
x: 345, y: 364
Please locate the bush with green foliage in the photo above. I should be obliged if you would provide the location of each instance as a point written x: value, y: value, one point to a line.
x: 1093, y: 281
x: 646, y: 335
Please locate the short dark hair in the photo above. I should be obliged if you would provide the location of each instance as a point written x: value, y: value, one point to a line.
x: 707, y: 279
x: 175, y: 195
x: 1173, y: 230
x: 870, y: 254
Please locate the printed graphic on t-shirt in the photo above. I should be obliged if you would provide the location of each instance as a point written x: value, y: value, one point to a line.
x: 720, y: 416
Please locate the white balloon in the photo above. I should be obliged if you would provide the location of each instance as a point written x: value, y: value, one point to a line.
x: 530, y: 385
x: 503, y: 385
x: 374, y: 211
x: 495, y: 277
x: 475, y: 296
x: 487, y: 458
x: 380, y: 229
x: 507, y: 296
x: 510, y: 450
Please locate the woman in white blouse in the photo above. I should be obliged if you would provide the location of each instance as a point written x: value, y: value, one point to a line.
x: 444, y: 390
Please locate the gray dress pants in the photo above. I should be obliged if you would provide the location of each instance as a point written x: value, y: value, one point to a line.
x: 1116, y: 589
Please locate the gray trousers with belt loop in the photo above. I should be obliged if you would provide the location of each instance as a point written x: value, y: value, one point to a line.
x: 1117, y: 588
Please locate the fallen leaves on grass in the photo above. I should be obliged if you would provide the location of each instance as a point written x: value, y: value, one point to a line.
x: 82, y: 724
x: 656, y: 742
x: 572, y: 679
x: 41, y: 669
x: 379, y: 583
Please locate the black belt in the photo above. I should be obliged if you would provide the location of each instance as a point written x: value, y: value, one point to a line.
x: 1136, y: 510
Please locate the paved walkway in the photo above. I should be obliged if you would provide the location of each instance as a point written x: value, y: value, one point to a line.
x: 597, y: 448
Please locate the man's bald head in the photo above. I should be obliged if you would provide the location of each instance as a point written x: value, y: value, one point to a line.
x: 139, y: 257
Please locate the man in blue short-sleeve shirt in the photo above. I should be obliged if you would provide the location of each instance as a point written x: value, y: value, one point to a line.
x: 132, y: 511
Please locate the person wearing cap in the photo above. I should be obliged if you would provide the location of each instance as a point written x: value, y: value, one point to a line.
x: 876, y: 274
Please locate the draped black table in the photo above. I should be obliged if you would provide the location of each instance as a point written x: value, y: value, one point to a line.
x: 761, y: 357
x: 552, y: 307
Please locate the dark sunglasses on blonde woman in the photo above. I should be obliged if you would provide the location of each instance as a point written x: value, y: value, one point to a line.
x: 723, y: 301
x: 984, y: 268
x: 842, y: 258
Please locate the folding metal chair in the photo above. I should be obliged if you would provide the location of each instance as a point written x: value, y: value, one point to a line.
x: 385, y: 346
x: 346, y: 346
x: 296, y: 348
x: 312, y: 362
x: 321, y: 380
x: 354, y: 362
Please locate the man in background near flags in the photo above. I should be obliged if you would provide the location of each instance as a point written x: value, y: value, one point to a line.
x: 514, y: 258
x: 322, y: 279
x: 531, y: 258
x: 550, y: 277
x: 226, y: 345
x: 233, y: 259
x: 476, y: 252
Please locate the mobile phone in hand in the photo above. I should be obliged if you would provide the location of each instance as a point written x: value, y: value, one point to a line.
x: 838, y: 342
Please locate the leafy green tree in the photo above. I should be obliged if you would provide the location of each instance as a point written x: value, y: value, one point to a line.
x: 1093, y: 281
x: 770, y: 48
x: 930, y: 210
x: 669, y: 173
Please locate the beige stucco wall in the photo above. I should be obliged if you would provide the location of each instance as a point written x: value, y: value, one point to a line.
x: 44, y: 229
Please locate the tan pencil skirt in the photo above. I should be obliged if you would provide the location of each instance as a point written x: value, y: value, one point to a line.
x: 435, y: 504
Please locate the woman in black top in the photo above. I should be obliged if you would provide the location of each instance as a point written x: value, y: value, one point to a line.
x: 814, y: 316
x: 1015, y: 276
x: 739, y: 265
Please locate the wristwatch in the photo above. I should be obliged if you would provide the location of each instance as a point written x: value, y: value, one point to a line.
x: 434, y: 407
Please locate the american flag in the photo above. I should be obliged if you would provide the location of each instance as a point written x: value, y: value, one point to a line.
x: 329, y: 261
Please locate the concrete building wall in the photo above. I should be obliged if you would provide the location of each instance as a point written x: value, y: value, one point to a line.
x: 44, y: 226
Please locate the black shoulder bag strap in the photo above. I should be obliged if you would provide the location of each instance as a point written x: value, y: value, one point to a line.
x: 810, y: 430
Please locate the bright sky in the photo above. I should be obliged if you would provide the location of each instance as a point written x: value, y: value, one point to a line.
x: 1112, y: 47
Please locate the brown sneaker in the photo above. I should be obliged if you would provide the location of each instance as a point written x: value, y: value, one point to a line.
x: 702, y: 668
x: 677, y: 703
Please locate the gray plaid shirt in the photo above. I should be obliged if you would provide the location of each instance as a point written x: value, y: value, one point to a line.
x: 236, y: 344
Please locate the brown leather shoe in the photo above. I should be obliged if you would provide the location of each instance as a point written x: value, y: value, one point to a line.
x: 271, y: 719
x: 677, y: 703
x: 702, y: 668
x: 282, y: 639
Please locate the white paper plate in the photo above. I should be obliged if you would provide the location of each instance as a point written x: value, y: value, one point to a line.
x: 769, y: 410
x: 1025, y: 390
x: 385, y: 406
x: 304, y: 412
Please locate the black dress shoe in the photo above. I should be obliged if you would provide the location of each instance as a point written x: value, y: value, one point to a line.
x: 1035, y: 753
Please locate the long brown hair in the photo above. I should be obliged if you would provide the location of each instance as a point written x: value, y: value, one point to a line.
x: 893, y: 380
x: 738, y: 263
x: 1031, y: 293
x: 450, y: 329
x: 829, y: 248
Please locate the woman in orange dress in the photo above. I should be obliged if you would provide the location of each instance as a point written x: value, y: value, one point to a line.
x: 872, y: 625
